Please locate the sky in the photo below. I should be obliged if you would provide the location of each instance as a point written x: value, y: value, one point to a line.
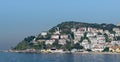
x: 22, y: 18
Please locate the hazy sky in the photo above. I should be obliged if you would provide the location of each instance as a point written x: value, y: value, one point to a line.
x: 21, y: 18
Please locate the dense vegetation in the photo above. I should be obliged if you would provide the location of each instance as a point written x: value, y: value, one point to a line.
x: 25, y: 43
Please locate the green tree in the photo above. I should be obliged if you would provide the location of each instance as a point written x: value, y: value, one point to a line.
x: 106, y: 38
x: 118, y: 37
x: 22, y: 45
x: 82, y: 38
x: 106, y: 49
x: 77, y: 46
x: 29, y: 38
x: 85, y: 35
x: 89, y: 50
x: 99, y: 33
x: 72, y: 35
x: 48, y: 46
x: 68, y: 46
x: 55, y: 44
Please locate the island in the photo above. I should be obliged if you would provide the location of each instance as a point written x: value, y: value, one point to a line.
x: 73, y: 37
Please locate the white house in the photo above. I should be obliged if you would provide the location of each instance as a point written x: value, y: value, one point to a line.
x: 75, y: 41
x: 73, y: 30
x: 54, y: 36
x: 92, y: 29
x: 82, y: 29
x: 107, y: 32
x: 78, y: 35
x: 116, y: 29
x: 90, y: 34
x: 62, y: 41
x: 93, y: 40
x: 43, y: 33
x: 115, y: 42
x: 86, y: 44
x: 41, y: 40
x: 98, y: 47
x: 64, y: 36
x: 100, y: 37
x: 49, y: 42
x: 100, y: 30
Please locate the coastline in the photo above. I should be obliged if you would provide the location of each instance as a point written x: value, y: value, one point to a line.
x: 64, y: 52
x: 93, y: 53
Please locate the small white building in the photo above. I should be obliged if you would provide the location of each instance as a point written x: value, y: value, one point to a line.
x: 57, y: 32
x: 43, y: 33
x: 82, y: 29
x: 49, y: 42
x: 86, y: 44
x: 116, y: 30
x: 107, y: 32
x: 41, y: 40
x: 78, y: 35
x: 54, y: 36
x: 100, y: 37
x: 100, y: 30
x: 64, y: 36
x: 76, y: 41
x: 101, y: 41
x: 117, y: 34
x: 73, y: 30
x: 98, y: 47
x: 92, y: 29
x: 62, y: 41
x: 115, y: 42
x: 90, y: 34
x: 93, y: 40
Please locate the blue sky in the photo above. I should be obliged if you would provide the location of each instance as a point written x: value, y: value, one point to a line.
x: 21, y: 18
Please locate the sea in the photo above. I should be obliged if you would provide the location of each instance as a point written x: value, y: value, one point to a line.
x: 58, y: 57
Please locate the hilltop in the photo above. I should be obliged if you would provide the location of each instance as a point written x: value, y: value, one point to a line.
x: 66, y: 26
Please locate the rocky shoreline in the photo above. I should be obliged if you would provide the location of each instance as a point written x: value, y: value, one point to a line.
x: 64, y: 52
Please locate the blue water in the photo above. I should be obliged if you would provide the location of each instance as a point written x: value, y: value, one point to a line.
x: 31, y: 57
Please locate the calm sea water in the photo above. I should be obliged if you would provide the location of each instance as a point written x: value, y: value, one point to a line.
x: 30, y: 57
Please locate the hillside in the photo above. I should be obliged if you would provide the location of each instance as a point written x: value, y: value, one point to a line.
x: 65, y: 28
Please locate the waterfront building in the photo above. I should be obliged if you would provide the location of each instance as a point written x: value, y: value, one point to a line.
x: 115, y: 49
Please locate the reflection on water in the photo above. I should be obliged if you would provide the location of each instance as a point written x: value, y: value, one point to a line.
x: 29, y: 57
